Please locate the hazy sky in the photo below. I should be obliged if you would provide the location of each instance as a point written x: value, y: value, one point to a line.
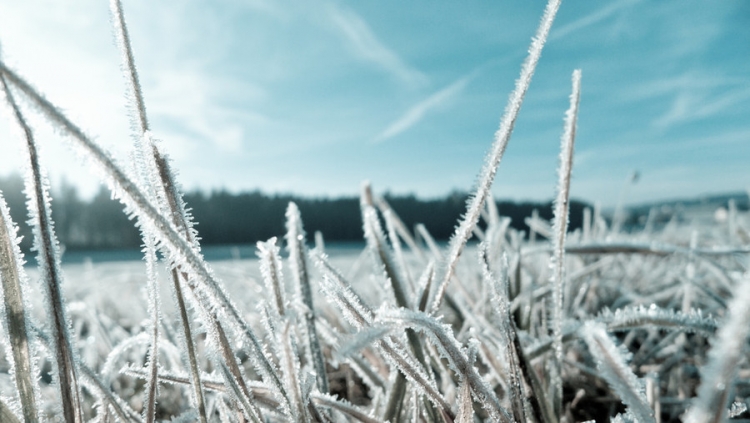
x: 312, y: 97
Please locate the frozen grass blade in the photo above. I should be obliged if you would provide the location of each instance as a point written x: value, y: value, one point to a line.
x: 233, y: 375
x: 344, y: 407
x: 45, y: 242
x: 187, y: 339
x: 147, y: 169
x: 152, y: 384
x: 465, y: 408
x: 14, y: 316
x: 123, y: 41
x: 727, y: 350
x: 400, y: 227
x: 502, y: 136
x: 611, y: 364
x: 643, y: 317
x: 500, y: 301
x: 428, y: 239
x: 295, y: 238
x: 379, y: 249
x: 560, y: 229
x: 291, y: 368
x: 270, y: 269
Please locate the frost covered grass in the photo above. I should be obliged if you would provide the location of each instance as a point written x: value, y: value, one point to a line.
x: 545, y: 327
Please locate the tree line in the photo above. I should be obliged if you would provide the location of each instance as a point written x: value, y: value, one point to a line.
x: 247, y: 217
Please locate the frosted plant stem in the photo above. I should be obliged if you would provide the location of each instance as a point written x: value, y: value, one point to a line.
x: 152, y: 383
x: 175, y: 243
x: 123, y: 41
x: 49, y: 265
x: 167, y: 185
x: 344, y: 407
x: 295, y: 238
x: 270, y: 269
x: 14, y: 316
x: 560, y: 229
x: 182, y: 220
x: 400, y: 228
x: 190, y: 348
x: 492, y: 161
x: 290, y: 363
x: 728, y: 348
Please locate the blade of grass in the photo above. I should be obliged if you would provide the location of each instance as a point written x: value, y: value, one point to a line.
x: 123, y: 38
x: 295, y: 238
x: 14, y: 318
x: 560, y: 229
x: 45, y: 242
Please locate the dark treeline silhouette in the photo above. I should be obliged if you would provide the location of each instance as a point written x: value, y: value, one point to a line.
x: 226, y: 218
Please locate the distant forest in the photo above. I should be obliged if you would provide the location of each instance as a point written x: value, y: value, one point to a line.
x: 226, y: 218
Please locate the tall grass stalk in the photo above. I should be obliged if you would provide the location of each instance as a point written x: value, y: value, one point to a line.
x: 295, y: 238
x: 15, y: 316
x: 38, y: 200
x: 560, y: 229
x: 492, y: 161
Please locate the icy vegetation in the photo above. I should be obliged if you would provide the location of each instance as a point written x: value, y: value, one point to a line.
x: 550, y: 326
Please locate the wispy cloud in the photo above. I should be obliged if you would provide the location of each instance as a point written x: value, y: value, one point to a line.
x: 690, y: 105
x: 417, y: 112
x: 592, y: 18
x: 367, y: 46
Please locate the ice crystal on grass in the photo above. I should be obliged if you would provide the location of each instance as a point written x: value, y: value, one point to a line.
x: 642, y: 317
x: 611, y: 361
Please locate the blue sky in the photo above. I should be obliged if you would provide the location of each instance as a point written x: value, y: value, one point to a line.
x: 312, y: 97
